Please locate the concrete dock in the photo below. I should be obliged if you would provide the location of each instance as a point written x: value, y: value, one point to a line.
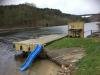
x: 29, y: 45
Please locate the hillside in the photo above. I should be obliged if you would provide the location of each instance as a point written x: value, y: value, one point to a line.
x: 24, y: 15
x: 95, y: 17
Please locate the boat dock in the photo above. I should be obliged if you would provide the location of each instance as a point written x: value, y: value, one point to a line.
x: 28, y: 45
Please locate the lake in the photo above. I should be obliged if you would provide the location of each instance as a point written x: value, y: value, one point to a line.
x: 64, y: 29
x: 10, y: 66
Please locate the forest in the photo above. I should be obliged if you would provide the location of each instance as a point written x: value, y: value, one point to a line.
x: 27, y: 15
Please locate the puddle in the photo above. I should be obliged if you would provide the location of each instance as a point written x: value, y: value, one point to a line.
x: 10, y: 66
x: 44, y: 67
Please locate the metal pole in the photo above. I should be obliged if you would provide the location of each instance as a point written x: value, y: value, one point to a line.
x: 91, y: 33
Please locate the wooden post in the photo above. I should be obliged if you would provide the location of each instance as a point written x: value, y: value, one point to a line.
x: 68, y: 31
x: 91, y: 33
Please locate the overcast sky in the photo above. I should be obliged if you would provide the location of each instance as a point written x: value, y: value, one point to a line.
x: 67, y: 6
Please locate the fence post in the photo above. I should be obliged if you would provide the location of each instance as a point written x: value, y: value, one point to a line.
x: 91, y: 33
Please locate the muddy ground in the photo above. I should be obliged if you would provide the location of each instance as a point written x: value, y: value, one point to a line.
x: 9, y: 65
x: 66, y: 58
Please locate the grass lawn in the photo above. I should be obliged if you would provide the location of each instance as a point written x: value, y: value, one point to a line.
x: 90, y: 64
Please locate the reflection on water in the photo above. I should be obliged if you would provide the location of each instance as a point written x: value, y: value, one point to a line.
x: 55, y: 30
x: 64, y: 29
x: 10, y: 66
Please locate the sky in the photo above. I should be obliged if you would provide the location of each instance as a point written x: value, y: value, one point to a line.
x: 77, y: 7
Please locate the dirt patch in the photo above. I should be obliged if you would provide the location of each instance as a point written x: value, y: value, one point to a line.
x: 66, y: 58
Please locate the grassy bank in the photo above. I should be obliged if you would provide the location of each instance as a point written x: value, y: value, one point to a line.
x: 90, y: 64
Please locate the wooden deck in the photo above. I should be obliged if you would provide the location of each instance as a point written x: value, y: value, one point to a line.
x: 29, y: 45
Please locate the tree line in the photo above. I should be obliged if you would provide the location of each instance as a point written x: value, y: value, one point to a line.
x: 25, y: 15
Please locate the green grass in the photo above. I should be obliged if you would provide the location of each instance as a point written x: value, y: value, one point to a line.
x: 88, y: 65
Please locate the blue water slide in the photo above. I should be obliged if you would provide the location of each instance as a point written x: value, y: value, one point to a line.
x: 31, y: 57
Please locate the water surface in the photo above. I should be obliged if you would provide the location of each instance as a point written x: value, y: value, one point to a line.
x: 10, y: 66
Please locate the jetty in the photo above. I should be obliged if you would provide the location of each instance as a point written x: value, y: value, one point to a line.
x: 29, y: 45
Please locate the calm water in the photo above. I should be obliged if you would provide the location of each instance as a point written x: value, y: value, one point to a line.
x: 10, y: 66
x: 64, y: 29
x: 55, y: 30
